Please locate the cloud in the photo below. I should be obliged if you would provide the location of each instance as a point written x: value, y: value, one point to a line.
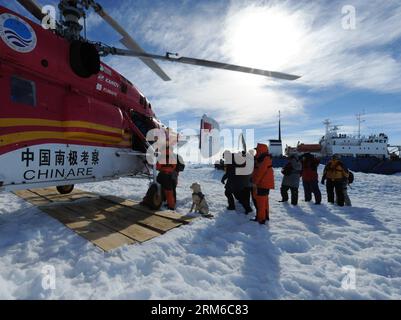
x: 234, y: 99
x: 309, y: 39
x: 300, y: 37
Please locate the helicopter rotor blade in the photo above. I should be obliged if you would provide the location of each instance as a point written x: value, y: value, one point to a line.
x: 129, y: 42
x: 204, y: 63
x: 33, y: 7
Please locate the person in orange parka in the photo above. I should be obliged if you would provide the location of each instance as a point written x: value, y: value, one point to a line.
x: 263, y: 182
x: 167, y: 178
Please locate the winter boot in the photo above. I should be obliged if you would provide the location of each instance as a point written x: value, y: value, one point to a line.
x: 170, y: 199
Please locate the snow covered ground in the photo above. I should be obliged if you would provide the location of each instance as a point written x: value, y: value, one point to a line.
x: 305, y: 252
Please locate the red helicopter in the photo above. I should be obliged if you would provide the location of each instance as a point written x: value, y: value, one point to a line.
x: 66, y: 117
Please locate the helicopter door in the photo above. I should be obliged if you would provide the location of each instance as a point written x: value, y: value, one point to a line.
x: 144, y: 124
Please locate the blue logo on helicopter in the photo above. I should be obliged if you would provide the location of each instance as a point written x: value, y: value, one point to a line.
x: 16, y: 33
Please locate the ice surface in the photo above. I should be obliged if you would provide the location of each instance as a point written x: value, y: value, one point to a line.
x: 300, y: 254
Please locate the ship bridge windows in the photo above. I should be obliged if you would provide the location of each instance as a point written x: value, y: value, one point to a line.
x: 23, y: 91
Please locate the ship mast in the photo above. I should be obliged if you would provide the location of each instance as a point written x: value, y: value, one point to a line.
x: 279, y: 126
x: 327, y: 123
x: 360, y: 120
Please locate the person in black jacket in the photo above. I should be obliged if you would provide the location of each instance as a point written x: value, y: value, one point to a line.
x: 236, y: 185
x: 179, y: 168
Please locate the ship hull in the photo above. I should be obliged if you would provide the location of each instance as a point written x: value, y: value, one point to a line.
x: 370, y: 165
x: 365, y: 165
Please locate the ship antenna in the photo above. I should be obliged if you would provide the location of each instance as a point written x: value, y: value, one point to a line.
x: 327, y: 124
x: 360, y: 120
x: 279, y: 126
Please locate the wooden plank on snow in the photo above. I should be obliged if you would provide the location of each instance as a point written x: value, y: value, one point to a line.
x: 91, y: 211
x: 105, y: 238
x: 149, y: 220
x: 107, y: 221
x: 169, y: 214
x: 54, y: 196
x: 31, y: 197
x: 71, y: 197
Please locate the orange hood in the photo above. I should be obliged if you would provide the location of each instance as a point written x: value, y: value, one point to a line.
x: 261, y: 148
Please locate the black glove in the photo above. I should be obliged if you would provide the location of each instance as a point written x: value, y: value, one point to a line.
x: 322, y: 182
x: 223, y: 181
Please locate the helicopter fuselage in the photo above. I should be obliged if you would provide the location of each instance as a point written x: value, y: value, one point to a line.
x: 57, y: 128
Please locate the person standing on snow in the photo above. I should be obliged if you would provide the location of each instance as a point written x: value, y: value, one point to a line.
x: 228, y: 179
x: 179, y: 168
x: 347, y: 200
x: 263, y: 182
x: 347, y: 181
x: 249, y: 194
x: 167, y: 177
x: 336, y: 174
x: 292, y: 175
x: 310, y: 178
x: 244, y: 178
x: 235, y: 184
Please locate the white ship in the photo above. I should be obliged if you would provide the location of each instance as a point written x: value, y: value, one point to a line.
x: 369, y: 154
x: 375, y: 145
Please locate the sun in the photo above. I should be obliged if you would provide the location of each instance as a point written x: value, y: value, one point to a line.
x: 264, y: 37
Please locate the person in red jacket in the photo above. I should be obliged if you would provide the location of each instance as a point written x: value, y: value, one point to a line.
x: 167, y: 177
x: 263, y: 182
x: 310, y: 179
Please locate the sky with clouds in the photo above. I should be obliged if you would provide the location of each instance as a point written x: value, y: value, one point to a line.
x: 345, y: 70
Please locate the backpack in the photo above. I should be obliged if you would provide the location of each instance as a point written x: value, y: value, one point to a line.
x: 350, y: 177
x: 287, y: 170
x: 180, y: 164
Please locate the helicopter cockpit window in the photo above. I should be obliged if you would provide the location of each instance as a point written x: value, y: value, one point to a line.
x: 124, y: 88
x: 23, y: 91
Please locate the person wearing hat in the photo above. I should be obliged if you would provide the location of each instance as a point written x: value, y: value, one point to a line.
x: 263, y: 182
x: 334, y: 175
x: 310, y: 178
x: 292, y: 175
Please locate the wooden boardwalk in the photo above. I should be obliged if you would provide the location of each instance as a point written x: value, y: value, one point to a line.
x: 108, y: 222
